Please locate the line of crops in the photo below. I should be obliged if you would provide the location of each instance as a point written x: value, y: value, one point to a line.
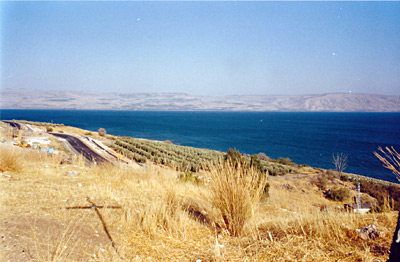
x: 182, y: 157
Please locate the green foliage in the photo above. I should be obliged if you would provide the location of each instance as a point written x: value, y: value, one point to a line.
x: 338, y: 193
x: 266, y: 190
x: 285, y: 161
x: 278, y: 169
x: 165, y: 153
x: 185, y: 159
x: 233, y: 156
x: 381, y: 192
x: 255, y: 162
x: 272, y: 171
x: 190, y: 177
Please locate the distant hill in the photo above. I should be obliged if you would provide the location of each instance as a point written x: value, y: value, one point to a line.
x: 334, y: 102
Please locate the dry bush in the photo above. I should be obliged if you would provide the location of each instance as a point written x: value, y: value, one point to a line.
x: 11, y: 159
x: 234, y: 192
x: 102, y: 132
x: 338, y: 193
x: 321, y: 181
x: 320, y: 236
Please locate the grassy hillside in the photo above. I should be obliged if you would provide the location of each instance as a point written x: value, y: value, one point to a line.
x: 151, y: 214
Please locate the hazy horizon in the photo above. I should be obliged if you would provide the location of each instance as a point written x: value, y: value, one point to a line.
x: 210, y: 95
x: 202, y: 48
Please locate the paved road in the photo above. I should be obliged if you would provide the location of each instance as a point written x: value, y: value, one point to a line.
x: 81, y: 148
x: 13, y: 124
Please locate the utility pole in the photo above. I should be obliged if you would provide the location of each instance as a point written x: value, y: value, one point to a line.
x: 358, y: 198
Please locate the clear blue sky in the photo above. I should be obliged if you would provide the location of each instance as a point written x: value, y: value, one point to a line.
x: 202, y: 48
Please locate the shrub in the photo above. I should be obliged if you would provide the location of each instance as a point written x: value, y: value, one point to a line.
x: 235, y: 191
x: 256, y: 163
x: 49, y: 129
x: 381, y: 193
x: 263, y: 156
x: 102, y: 132
x: 285, y: 161
x: 321, y: 181
x: 331, y: 175
x: 338, y: 193
x: 190, y: 177
x: 344, y: 178
x: 88, y: 133
x: 233, y: 156
x: 272, y: 171
x: 10, y: 159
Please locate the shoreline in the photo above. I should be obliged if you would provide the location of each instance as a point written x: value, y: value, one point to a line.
x: 352, y: 176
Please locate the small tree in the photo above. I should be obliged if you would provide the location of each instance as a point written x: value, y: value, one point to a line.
x: 340, y: 161
x: 102, y: 132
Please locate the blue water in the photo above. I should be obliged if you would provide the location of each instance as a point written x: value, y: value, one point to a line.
x: 306, y: 138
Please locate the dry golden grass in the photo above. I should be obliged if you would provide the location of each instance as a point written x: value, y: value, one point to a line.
x: 163, y: 219
x: 10, y: 158
x: 234, y: 193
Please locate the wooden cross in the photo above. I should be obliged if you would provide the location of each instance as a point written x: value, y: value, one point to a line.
x: 96, y: 208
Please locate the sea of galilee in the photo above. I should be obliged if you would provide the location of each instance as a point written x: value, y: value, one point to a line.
x: 305, y: 137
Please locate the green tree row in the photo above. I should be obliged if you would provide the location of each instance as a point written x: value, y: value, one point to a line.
x: 181, y: 157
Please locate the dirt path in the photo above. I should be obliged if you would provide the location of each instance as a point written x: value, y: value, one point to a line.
x: 36, y: 223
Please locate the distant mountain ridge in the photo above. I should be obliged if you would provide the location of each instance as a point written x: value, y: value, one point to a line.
x: 331, y: 102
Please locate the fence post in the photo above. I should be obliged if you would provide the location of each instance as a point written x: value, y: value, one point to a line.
x: 395, y: 247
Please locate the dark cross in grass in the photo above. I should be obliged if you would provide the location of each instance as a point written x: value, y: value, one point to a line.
x: 96, y: 208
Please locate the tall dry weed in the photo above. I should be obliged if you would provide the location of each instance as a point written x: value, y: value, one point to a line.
x: 11, y: 159
x: 234, y: 192
x: 390, y: 159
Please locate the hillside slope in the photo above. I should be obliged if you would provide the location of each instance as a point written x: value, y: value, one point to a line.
x: 337, y: 102
x: 55, y: 210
